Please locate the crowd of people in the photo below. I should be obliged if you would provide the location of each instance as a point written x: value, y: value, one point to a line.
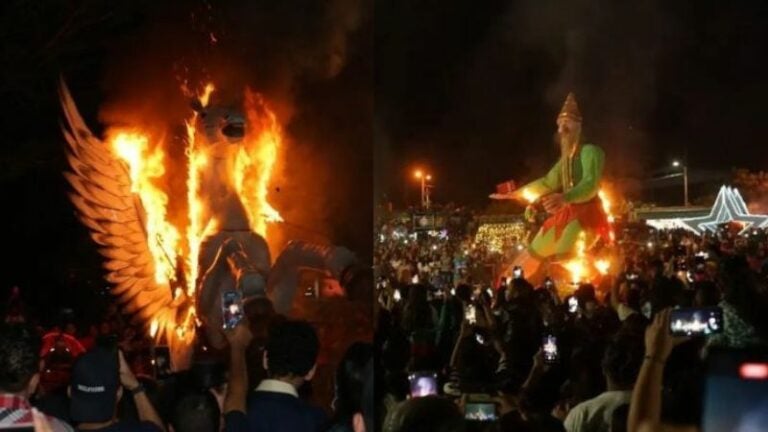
x: 110, y: 378
x: 475, y: 354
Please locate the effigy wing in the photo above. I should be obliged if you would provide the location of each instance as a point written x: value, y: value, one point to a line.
x: 105, y: 204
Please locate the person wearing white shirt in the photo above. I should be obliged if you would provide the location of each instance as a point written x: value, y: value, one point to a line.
x: 621, y: 362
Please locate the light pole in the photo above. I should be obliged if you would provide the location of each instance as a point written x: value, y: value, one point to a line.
x: 424, y: 178
x: 677, y: 164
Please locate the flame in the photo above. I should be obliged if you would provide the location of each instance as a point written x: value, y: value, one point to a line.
x: 145, y: 168
x: 606, y: 204
x: 255, y: 163
x: 602, y: 266
x: 577, y: 266
x: 196, y: 161
x: 529, y: 196
x: 153, y: 328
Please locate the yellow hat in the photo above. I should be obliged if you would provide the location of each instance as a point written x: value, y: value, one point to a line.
x: 570, y: 109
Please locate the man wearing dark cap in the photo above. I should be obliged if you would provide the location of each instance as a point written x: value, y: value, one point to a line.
x: 98, y: 380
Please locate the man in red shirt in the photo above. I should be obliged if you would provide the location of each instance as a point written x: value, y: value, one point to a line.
x: 19, y: 377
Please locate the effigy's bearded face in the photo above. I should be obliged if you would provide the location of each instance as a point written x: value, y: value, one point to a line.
x: 568, y: 133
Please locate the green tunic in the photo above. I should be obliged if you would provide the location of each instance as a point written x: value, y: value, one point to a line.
x: 578, y: 179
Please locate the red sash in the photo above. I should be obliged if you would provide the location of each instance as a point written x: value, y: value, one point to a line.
x: 590, y: 215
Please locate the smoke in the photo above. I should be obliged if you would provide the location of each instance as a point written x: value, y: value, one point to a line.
x: 503, y: 77
x: 292, y: 52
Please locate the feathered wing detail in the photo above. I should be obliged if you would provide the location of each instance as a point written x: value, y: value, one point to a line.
x: 105, y: 204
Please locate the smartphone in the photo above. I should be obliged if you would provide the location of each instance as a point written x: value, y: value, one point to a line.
x: 481, y: 411
x: 549, y: 283
x: 549, y: 348
x: 161, y: 360
x: 696, y: 321
x: 470, y: 314
x: 231, y: 309
x: 311, y: 291
x: 573, y: 304
x: 632, y: 276
x: 397, y: 296
x: 423, y: 384
x: 736, y: 391
x: 647, y: 310
x: 517, y: 272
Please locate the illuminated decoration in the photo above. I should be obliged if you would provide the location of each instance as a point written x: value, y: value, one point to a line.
x: 602, y: 266
x: 494, y: 235
x: 729, y: 206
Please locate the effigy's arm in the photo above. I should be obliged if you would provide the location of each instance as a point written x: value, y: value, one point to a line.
x: 545, y: 185
x: 592, y: 160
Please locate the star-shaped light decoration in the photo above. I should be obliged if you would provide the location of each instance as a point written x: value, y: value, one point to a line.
x: 729, y: 207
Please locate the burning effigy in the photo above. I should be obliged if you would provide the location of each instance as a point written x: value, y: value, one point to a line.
x: 570, y: 193
x: 169, y: 273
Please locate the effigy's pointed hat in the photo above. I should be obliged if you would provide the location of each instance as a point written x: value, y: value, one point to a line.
x: 570, y: 109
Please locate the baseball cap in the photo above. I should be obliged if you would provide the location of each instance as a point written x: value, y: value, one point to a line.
x: 94, y: 383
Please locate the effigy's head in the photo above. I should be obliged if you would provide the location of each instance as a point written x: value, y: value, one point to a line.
x: 569, y: 124
x: 220, y: 123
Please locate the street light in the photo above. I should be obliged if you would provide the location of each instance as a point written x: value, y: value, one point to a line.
x: 424, y: 178
x: 677, y: 164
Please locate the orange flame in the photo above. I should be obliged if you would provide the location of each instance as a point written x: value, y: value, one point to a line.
x: 196, y: 161
x: 602, y: 266
x: 529, y: 196
x: 145, y: 167
x: 254, y: 166
x: 255, y: 163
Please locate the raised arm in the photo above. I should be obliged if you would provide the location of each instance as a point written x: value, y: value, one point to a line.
x: 592, y: 159
x: 144, y: 407
x: 545, y: 185
x: 239, y: 338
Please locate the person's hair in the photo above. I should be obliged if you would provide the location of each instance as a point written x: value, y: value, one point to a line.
x: 622, y: 359
x: 708, y: 292
x: 464, y: 292
x: 292, y: 349
x: 350, y: 380
x: 197, y: 412
x: 425, y: 414
x: 19, y: 357
x: 619, y: 418
x: 585, y: 293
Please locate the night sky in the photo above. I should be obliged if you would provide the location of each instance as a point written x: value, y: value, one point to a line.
x: 471, y: 89
x: 312, y: 58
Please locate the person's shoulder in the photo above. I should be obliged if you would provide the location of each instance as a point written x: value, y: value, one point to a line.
x: 575, y: 418
x: 592, y: 149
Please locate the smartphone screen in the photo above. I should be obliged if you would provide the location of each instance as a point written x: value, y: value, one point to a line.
x: 470, y: 314
x: 573, y: 304
x: 161, y: 359
x: 423, y: 384
x: 696, y: 321
x: 397, y: 296
x: 480, y: 411
x: 231, y: 309
x: 517, y: 272
x: 549, y: 348
x: 736, y: 391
